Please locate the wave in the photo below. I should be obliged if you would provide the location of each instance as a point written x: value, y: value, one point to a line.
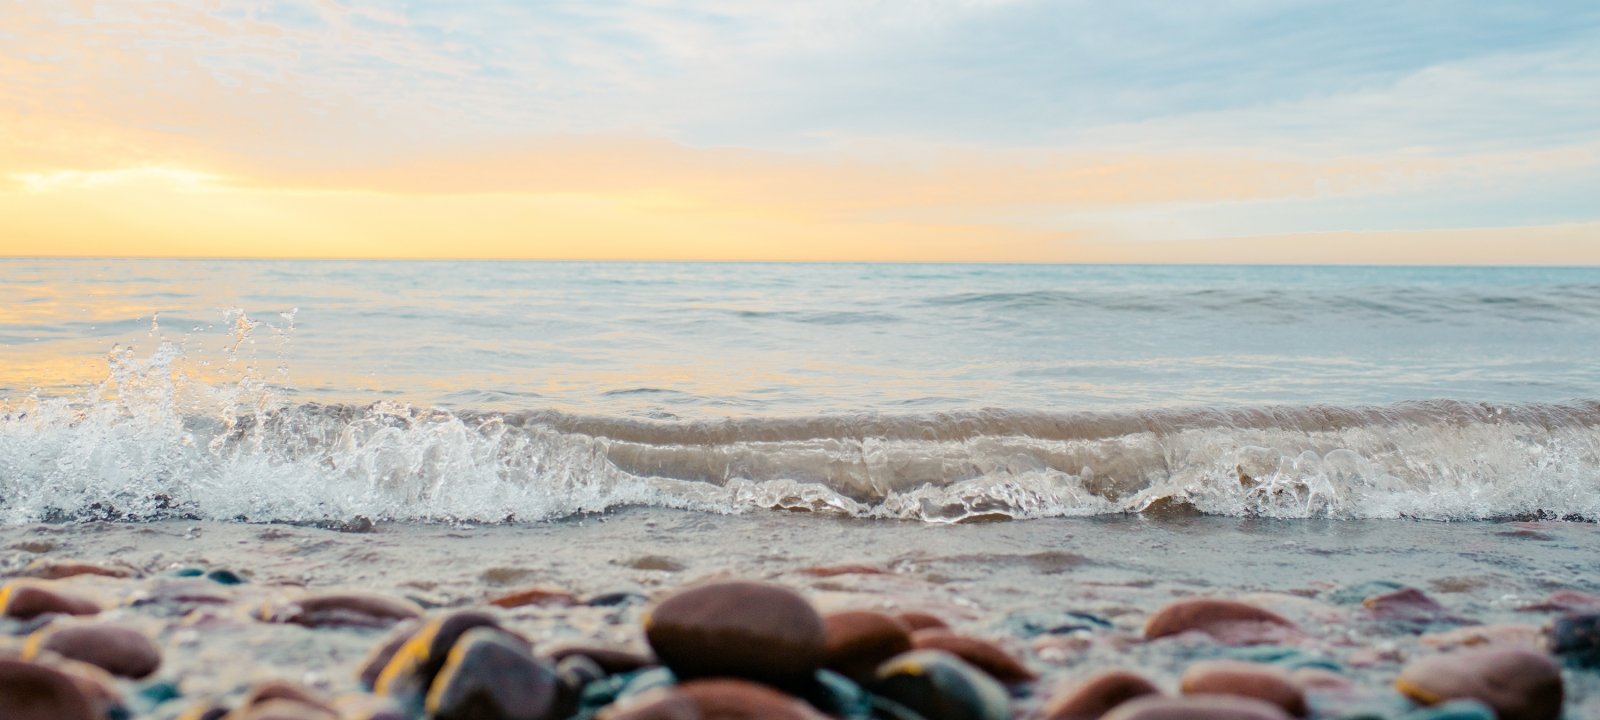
x: 150, y: 443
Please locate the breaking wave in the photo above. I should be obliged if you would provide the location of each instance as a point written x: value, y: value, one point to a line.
x: 149, y: 443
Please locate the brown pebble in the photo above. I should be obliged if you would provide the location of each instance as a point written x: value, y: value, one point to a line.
x: 1227, y: 621
x: 1411, y: 606
x: 27, y: 600
x: 1196, y: 707
x: 29, y: 691
x: 282, y: 709
x: 121, y: 651
x: 824, y: 571
x: 343, y: 610
x: 534, y: 596
x: 1098, y: 695
x: 1315, y: 679
x: 383, y: 652
x: 1517, y: 684
x: 714, y: 699
x: 57, y: 569
x: 751, y: 630
x: 1565, y: 601
x: 284, y: 690
x: 858, y: 641
x: 917, y: 620
x: 1527, y: 636
x: 610, y: 660
x: 1245, y: 679
x: 977, y: 652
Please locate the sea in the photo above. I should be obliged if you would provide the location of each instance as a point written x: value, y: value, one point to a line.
x: 488, y: 392
x: 1042, y: 455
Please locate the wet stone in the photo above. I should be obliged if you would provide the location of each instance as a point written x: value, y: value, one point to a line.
x: 939, y: 686
x: 1411, y: 610
x: 917, y: 620
x: 1242, y: 679
x: 225, y: 577
x: 1576, y: 638
x: 1196, y: 707
x: 1032, y: 625
x: 121, y: 651
x: 383, y: 652
x: 713, y: 699
x: 490, y: 676
x: 534, y: 596
x: 1226, y: 621
x: 29, y: 691
x: 977, y: 652
x: 1098, y: 695
x: 750, y: 630
x: 859, y: 641
x: 610, y: 660
x: 47, y: 569
x: 1354, y: 594
x: 1518, y: 684
x: 282, y: 709
x: 1453, y: 710
x: 27, y: 600
x: 616, y: 599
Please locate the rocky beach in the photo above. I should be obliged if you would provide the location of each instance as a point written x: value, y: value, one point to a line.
x: 655, y: 613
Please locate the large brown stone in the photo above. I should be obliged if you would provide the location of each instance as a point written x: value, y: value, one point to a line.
x: 979, y: 653
x: 713, y: 699
x: 1518, y: 684
x: 57, y: 569
x: 26, y: 600
x: 858, y: 641
x: 1227, y: 621
x: 751, y: 630
x: 121, y: 651
x: 1098, y: 695
x: 1196, y: 707
x: 29, y: 691
x: 1245, y: 679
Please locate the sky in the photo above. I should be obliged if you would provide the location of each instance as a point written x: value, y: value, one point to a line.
x: 1271, y: 131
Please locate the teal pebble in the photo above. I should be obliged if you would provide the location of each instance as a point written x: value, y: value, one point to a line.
x: 188, y: 572
x: 1455, y: 710
x: 225, y: 577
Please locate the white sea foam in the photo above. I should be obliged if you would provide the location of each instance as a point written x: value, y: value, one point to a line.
x: 152, y: 442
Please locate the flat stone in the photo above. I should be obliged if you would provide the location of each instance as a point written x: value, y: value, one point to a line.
x: 1526, y: 636
x: 1412, y: 610
x: 1518, y: 684
x: 939, y: 686
x: 979, y: 653
x: 1244, y: 679
x: 1565, y: 601
x: 29, y: 691
x: 1196, y: 707
x: 750, y: 630
x: 714, y: 699
x: 282, y: 709
x: 121, y: 651
x: 1098, y: 695
x: 413, y: 667
x: 490, y: 676
x: 26, y: 600
x: 47, y: 569
x: 1226, y: 621
x: 343, y: 610
x: 825, y: 571
x: 858, y: 641
x: 534, y: 596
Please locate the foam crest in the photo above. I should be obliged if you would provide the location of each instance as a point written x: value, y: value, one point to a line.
x: 153, y: 441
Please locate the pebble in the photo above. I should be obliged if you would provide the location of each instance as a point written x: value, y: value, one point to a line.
x: 917, y: 620
x: 29, y: 691
x: 1413, y: 610
x: 534, y: 596
x: 713, y: 699
x: 343, y: 610
x: 1196, y: 707
x: 1576, y: 638
x: 490, y: 676
x: 1227, y: 621
x: 1518, y: 684
x: 1098, y: 695
x: 282, y: 709
x: 1528, y: 636
x: 858, y: 641
x: 1243, y: 679
x: 414, y: 665
x: 121, y: 651
x: 1565, y: 601
x: 941, y: 686
x: 610, y: 660
x: 1453, y: 710
x: 979, y: 653
x: 751, y: 630
x: 1316, y: 679
x: 27, y: 600
x: 58, y: 569
x: 383, y: 652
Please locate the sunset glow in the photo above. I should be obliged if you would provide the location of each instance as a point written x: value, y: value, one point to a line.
x: 833, y: 131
